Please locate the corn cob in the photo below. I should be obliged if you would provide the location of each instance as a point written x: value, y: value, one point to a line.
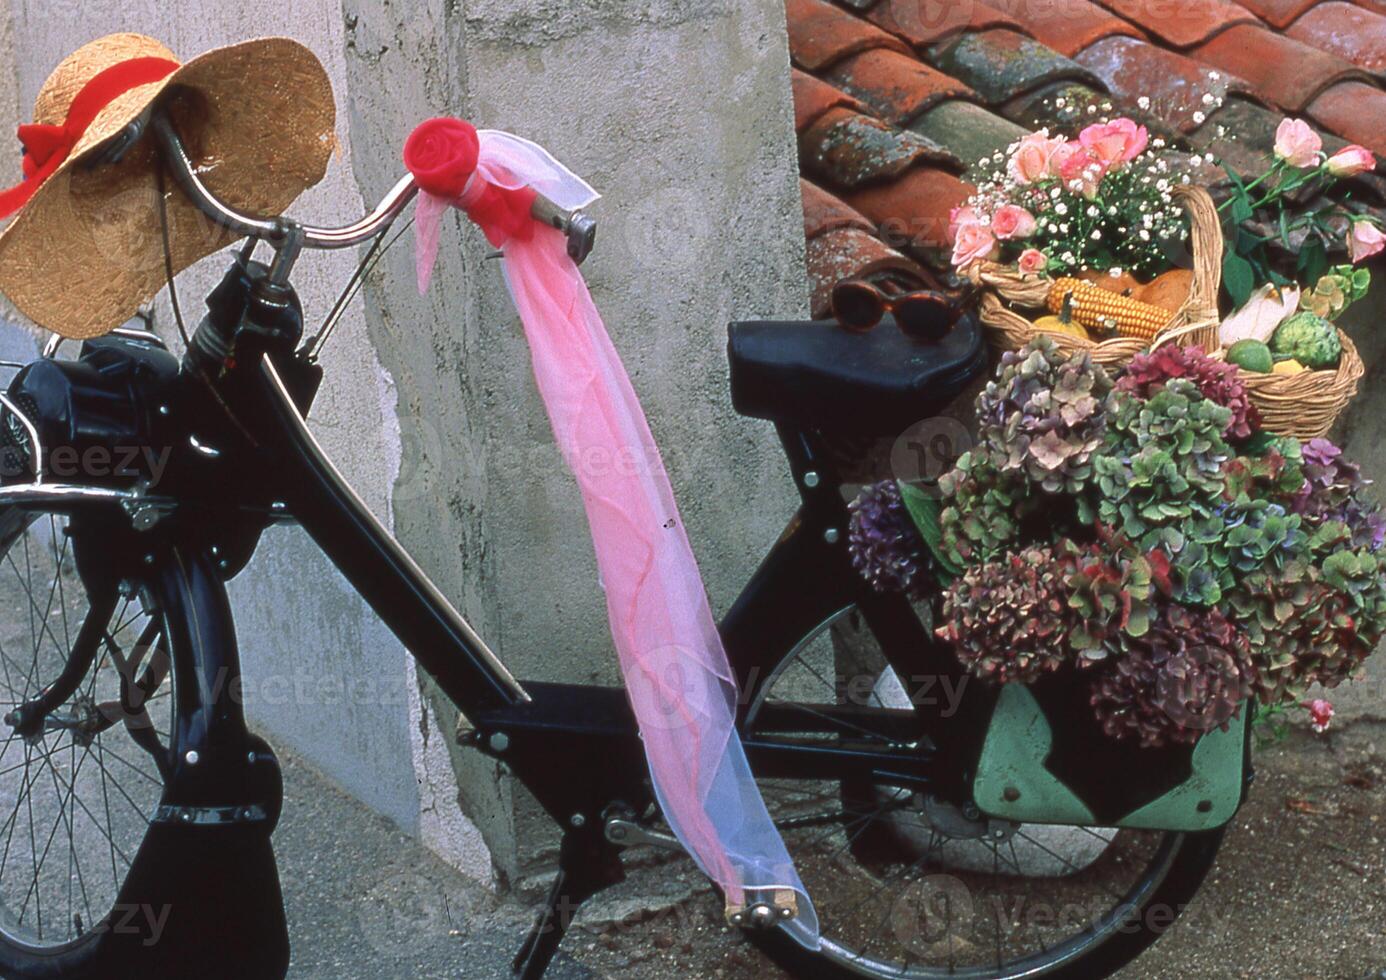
x: 1102, y: 311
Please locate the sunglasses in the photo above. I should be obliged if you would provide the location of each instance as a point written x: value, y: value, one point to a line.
x: 923, y: 314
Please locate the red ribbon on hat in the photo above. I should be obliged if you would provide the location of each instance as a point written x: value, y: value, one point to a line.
x: 47, y: 146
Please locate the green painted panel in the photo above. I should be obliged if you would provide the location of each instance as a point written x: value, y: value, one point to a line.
x: 1013, y: 783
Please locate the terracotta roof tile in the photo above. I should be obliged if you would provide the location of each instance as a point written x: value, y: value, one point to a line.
x: 1069, y: 26
x: 914, y: 208
x: 898, y: 87
x: 970, y: 131
x: 820, y: 34
x: 1283, y: 71
x: 1240, y: 133
x: 824, y: 211
x: 849, y: 253
x: 1062, y: 107
x: 1001, y: 64
x: 1175, y: 84
x: 813, y: 97
x: 925, y: 22
x: 1355, y: 111
x: 1353, y: 33
x: 849, y: 149
x: 1278, y: 13
x: 1182, y: 23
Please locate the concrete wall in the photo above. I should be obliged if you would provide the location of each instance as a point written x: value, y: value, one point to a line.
x: 679, y: 112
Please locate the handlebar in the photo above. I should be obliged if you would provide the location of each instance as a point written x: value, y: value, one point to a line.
x: 288, y: 236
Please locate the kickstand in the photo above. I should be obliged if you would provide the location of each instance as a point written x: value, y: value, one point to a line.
x: 586, y: 865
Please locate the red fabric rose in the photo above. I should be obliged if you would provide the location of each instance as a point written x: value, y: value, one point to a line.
x: 441, y: 154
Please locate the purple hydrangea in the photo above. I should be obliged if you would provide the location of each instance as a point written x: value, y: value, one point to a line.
x: 1335, y: 490
x: 884, y: 543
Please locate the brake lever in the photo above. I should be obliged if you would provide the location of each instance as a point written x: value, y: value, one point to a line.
x: 114, y: 148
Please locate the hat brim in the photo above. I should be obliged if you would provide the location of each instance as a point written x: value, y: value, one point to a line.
x: 86, y: 251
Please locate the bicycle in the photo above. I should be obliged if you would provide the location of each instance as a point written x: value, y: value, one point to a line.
x: 123, y: 714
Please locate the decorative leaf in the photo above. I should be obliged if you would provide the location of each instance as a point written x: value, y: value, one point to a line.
x: 1241, y: 206
x: 924, y: 510
x: 1313, y: 260
x: 1238, y: 277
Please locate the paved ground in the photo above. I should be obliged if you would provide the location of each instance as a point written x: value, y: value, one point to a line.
x: 1299, y: 892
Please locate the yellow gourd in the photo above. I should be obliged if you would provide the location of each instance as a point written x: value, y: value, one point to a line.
x: 1287, y: 367
x: 1057, y: 324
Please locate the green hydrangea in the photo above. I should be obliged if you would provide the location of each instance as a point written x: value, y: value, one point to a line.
x: 983, y: 509
x: 1161, y: 483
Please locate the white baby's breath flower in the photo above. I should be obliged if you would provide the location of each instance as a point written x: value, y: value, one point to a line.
x: 1059, y: 103
x: 1114, y: 272
x: 1215, y: 75
x: 1063, y: 228
x: 1092, y: 110
x: 1096, y: 235
x: 1145, y: 235
x: 1143, y: 102
x: 1199, y: 118
x: 1068, y: 258
x: 1061, y: 208
x: 1196, y: 160
x: 1093, y: 212
x: 1053, y: 228
x: 1208, y: 98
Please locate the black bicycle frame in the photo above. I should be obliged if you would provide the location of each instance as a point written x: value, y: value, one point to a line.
x: 576, y: 748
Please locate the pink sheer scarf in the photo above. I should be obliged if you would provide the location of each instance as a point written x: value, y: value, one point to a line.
x: 676, y: 673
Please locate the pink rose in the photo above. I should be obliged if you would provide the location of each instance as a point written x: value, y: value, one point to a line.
x: 1320, y: 713
x: 1012, y: 221
x: 1115, y: 143
x: 965, y: 215
x: 1350, y: 161
x: 973, y: 243
x: 1077, y: 168
x: 1365, y: 240
x: 1297, y: 144
x: 1032, y: 262
x: 1030, y: 161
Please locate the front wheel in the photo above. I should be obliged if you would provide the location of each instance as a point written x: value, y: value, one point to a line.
x: 909, y: 885
x: 78, y: 790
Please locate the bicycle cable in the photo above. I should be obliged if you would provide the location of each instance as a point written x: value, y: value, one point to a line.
x: 168, y: 258
x: 363, y: 268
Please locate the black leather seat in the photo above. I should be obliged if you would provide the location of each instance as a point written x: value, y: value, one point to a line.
x: 812, y: 374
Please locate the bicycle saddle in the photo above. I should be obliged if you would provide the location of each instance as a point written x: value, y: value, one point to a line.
x: 815, y: 375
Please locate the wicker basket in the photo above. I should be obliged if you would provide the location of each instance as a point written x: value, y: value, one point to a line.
x: 1305, y: 405
x: 1196, y: 322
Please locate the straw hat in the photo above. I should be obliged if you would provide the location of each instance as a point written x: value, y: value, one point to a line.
x: 85, y: 251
